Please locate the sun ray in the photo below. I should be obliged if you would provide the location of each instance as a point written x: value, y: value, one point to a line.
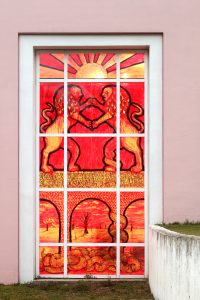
x: 73, y: 64
x: 110, y: 62
x: 87, y: 57
x: 96, y: 57
x: 101, y: 58
x: 71, y: 69
x: 133, y: 60
x: 73, y: 57
x: 107, y: 58
x: 82, y: 58
x: 111, y: 68
x: 91, y: 57
x: 46, y: 59
x: 124, y: 56
x: 58, y: 56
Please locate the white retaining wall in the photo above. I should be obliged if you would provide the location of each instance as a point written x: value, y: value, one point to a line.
x: 174, y: 265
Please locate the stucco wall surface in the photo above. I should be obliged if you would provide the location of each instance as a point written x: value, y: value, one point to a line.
x: 174, y: 265
x: 179, y: 21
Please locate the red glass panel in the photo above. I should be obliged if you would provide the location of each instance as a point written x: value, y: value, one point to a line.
x: 132, y: 217
x: 132, y: 261
x: 91, y: 109
x: 132, y: 162
x: 132, y: 107
x: 51, y: 217
x: 91, y: 162
x: 51, y: 162
x: 51, y: 65
x: 51, y: 260
x: 132, y: 65
x: 51, y: 107
x: 92, y: 260
x: 91, y: 217
x: 91, y: 65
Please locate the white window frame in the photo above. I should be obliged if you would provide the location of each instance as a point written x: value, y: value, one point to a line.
x: 27, y: 119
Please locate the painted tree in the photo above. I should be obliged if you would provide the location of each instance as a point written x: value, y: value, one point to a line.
x: 85, y: 220
x: 49, y: 222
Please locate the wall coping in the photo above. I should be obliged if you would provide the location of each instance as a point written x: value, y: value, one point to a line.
x: 174, y: 234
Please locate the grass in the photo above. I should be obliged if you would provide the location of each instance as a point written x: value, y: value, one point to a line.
x: 185, y: 228
x: 83, y: 290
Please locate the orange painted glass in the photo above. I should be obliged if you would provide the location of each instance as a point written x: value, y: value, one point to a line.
x: 91, y: 65
x: 91, y: 217
x: 91, y: 260
x: 51, y: 260
x: 51, y: 65
x: 51, y: 217
x: 132, y: 260
x: 132, y: 65
x: 132, y: 217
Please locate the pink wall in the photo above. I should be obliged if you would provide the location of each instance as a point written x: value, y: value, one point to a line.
x: 179, y: 21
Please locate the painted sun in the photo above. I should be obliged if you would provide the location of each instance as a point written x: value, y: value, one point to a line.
x: 91, y: 65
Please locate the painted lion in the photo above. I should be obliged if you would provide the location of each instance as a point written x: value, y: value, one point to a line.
x: 56, y: 126
x: 129, y: 124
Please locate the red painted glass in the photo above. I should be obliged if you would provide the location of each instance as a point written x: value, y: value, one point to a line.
x: 131, y: 107
x: 132, y: 162
x: 91, y: 65
x: 90, y: 109
x: 51, y: 162
x: 91, y: 163
x: 51, y: 65
x: 91, y: 217
x: 51, y: 260
x: 51, y: 107
x: 132, y: 261
x: 51, y: 217
x: 91, y: 260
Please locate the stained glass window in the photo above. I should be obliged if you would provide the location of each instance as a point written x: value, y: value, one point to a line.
x: 91, y: 164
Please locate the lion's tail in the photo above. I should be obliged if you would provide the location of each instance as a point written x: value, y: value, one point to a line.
x: 135, y: 117
x: 48, y: 120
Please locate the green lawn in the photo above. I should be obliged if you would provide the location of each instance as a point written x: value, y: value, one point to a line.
x: 83, y: 290
x: 185, y: 228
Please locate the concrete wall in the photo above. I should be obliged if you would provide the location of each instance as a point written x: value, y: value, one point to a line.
x: 174, y: 260
x: 179, y: 21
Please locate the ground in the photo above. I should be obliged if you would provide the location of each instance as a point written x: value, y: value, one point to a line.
x: 79, y: 290
x: 185, y: 228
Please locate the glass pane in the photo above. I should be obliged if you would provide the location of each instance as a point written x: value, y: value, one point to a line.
x: 51, y: 108
x: 51, y: 260
x: 91, y: 217
x: 91, y: 65
x: 91, y: 162
x: 132, y: 107
x: 92, y: 260
x: 132, y: 65
x: 51, y: 162
x: 132, y: 217
x: 91, y: 108
x: 132, y: 162
x: 51, y: 217
x: 132, y: 261
x: 51, y: 65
